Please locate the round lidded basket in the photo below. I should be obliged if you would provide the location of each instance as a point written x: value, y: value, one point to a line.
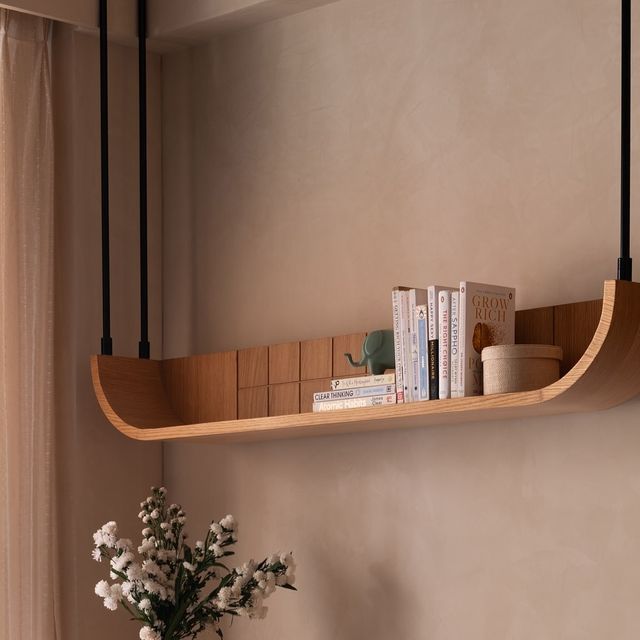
x: 507, y: 368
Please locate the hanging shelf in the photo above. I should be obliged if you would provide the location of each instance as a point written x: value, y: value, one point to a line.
x: 149, y: 399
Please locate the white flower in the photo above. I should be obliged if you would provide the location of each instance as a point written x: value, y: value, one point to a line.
x: 218, y: 551
x: 134, y: 571
x: 111, y: 604
x: 155, y: 514
x: 102, y: 589
x: 142, y: 514
x: 146, y: 519
x: 96, y: 554
x: 189, y: 567
x: 146, y: 546
x: 146, y: 532
x: 124, y: 544
x: 110, y: 528
x: 165, y: 526
x: 103, y: 538
x: 215, y: 528
x: 147, y: 633
x: 145, y: 604
x: 229, y: 523
x: 162, y: 491
x: 120, y: 562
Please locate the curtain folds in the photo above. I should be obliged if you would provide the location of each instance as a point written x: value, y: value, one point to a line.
x: 27, y: 479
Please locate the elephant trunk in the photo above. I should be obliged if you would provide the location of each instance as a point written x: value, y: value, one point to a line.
x: 352, y: 363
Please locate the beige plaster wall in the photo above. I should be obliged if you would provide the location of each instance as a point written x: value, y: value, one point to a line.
x: 103, y: 476
x: 316, y: 161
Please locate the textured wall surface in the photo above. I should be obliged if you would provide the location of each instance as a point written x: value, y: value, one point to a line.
x: 312, y: 163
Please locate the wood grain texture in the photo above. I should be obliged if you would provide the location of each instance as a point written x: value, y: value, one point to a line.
x: 284, y: 399
x: 131, y: 395
x: 203, y: 388
x: 308, y: 388
x: 535, y: 326
x: 574, y: 326
x: 253, y: 402
x: 253, y: 367
x: 284, y: 362
x: 352, y: 344
x: 316, y: 359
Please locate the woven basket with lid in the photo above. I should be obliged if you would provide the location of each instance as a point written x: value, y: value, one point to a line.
x: 507, y: 368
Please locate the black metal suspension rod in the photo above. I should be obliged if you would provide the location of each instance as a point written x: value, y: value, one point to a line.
x: 144, y: 347
x: 106, y: 344
x: 624, y: 261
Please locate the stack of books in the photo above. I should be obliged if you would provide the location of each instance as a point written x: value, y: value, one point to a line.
x: 364, y: 391
x: 439, y: 334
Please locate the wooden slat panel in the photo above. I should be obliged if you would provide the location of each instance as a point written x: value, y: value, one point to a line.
x: 253, y: 367
x: 203, y: 388
x: 574, y: 326
x: 316, y: 358
x: 351, y: 343
x: 534, y: 326
x: 284, y: 399
x: 253, y: 402
x: 308, y: 388
x: 284, y: 362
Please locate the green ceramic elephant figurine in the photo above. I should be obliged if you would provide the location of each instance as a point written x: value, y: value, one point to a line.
x: 377, y: 352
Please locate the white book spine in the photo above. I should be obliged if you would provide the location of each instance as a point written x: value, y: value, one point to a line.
x: 353, y: 403
x: 455, y: 344
x: 406, y: 347
x: 444, y: 333
x: 357, y: 392
x: 362, y: 381
x: 423, y: 366
x: 462, y: 343
x: 397, y: 341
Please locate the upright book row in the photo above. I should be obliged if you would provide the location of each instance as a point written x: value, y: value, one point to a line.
x: 439, y: 334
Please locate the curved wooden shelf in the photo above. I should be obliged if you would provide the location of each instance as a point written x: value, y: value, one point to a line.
x: 134, y: 394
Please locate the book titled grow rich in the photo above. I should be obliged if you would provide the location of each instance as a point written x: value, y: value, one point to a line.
x: 486, y: 317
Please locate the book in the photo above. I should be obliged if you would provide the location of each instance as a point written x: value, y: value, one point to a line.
x: 486, y: 317
x: 444, y: 352
x: 416, y: 297
x: 455, y: 351
x: 356, y: 392
x: 398, y: 339
x: 352, y: 403
x: 423, y: 368
x: 434, y: 354
x: 363, y: 381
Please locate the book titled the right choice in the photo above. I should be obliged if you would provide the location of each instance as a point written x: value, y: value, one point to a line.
x: 486, y: 317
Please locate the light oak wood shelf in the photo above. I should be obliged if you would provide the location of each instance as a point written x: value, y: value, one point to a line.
x: 173, y: 399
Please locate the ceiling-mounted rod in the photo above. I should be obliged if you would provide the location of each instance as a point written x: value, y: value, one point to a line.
x: 624, y: 261
x: 144, y: 347
x: 106, y: 344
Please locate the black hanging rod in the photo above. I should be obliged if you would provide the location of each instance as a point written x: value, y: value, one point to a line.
x: 106, y: 344
x: 624, y: 261
x: 144, y: 348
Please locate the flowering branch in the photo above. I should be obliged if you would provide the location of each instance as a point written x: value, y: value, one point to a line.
x: 162, y: 587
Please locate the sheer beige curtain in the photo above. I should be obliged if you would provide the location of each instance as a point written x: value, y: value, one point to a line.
x: 27, y: 513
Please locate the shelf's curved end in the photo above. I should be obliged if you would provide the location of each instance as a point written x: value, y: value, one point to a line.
x: 131, y: 395
x: 608, y: 373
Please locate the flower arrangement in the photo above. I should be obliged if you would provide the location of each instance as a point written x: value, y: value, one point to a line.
x: 177, y: 591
